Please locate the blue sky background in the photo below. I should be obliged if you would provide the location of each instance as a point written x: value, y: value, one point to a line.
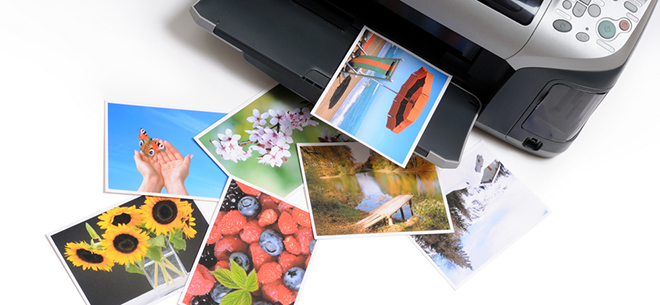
x: 372, y: 130
x: 205, y: 178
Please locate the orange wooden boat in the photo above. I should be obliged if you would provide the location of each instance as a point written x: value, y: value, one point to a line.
x: 410, y: 100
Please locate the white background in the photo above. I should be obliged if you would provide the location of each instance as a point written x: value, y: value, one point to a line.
x: 59, y: 61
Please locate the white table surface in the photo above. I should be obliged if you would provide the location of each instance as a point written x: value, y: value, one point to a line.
x: 60, y: 60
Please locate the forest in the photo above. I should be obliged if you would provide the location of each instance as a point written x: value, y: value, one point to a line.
x: 335, y: 161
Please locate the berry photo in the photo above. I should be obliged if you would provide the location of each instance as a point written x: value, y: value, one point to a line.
x: 257, y: 252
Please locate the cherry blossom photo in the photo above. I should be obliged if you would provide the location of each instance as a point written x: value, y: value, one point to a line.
x: 257, y: 142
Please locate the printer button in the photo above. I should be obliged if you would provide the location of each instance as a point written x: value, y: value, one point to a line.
x: 582, y: 36
x: 606, y: 29
x: 562, y: 25
x: 594, y: 10
x: 567, y: 4
x: 586, y: 2
x: 630, y: 6
x: 579, y: 9
x: 605, y: 45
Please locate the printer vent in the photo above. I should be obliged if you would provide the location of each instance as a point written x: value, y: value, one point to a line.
x: 316, y: 79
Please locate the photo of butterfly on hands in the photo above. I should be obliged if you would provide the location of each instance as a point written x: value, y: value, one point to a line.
x: 149, y: 150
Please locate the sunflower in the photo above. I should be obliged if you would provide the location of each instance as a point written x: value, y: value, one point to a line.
x: 125, y: 244
x: 188, y: 226
x: 129, y: 216
x: 163, y: 215
x: 82, y: 254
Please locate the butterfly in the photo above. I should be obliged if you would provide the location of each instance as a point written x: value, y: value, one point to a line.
x: 148, y: 145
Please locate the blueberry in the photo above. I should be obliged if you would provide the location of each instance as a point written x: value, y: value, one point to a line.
x: 202, y: 300
x: 249, y: 206
x: 271, y: 242
x: 312, y: 243
x: 293, y: 278
x: 208, y: 258
x: 262, y: 302
x: 242, y: 260
x: 218, y: 292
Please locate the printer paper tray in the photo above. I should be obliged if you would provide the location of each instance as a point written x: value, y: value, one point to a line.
x: 301, y: 43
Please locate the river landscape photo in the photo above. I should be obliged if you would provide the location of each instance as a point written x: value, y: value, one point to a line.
x: 353, y: 190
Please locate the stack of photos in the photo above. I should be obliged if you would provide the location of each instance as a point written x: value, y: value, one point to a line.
x: 490, y: 210
x: 383, y: 96
x: 256, y: 252
x: 287, y: 176
x: 352, y: 190
x: 257, y: 143
x: 149, y: 150
x: 134, y: 253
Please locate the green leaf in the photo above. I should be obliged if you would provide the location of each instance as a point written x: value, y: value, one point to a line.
x: 154, y: 253
x: 238, y: 297
x: 132, y: 268
x: 238, y: 274
x: 157, y: 241
x: 251, y: 283
x: 177, y: 241
x: 224, y: 277
x: 91, y: 232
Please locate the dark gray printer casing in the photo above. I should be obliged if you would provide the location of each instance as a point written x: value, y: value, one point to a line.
x: 529, y: 72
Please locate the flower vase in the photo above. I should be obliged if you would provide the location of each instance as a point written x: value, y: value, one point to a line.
x: 155, y: 271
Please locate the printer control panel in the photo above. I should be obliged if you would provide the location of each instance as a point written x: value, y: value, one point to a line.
x: 602, y: 25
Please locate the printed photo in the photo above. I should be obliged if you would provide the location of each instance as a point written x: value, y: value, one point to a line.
x: 383, y: 96
x: 353, y: 191
x: 256, y: 252
x: 257, y: 143
x: 134, y: 253
x: 490, y: 209
x: 151, y: 151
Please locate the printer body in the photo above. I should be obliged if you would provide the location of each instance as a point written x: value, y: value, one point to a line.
x: 529, y: 72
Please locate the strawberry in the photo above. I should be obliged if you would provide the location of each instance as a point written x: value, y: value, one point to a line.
x: 251, y: 232
x: 202, y: 281
x: 287, y: 224
x: 269, y: 272
x: 301, y: 217
x: 232, y: 223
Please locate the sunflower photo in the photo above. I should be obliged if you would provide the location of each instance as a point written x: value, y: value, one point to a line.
x: 133, y: 253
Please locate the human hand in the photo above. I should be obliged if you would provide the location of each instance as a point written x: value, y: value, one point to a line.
x: 174, y: 168
x: 152, y: 180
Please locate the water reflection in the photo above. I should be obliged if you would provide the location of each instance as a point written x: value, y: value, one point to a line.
x: 376, y: 188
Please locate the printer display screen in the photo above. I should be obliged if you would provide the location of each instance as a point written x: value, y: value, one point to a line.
x: 522, y: 11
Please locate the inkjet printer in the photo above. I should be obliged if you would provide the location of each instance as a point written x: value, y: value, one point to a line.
x: 530, y: 72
